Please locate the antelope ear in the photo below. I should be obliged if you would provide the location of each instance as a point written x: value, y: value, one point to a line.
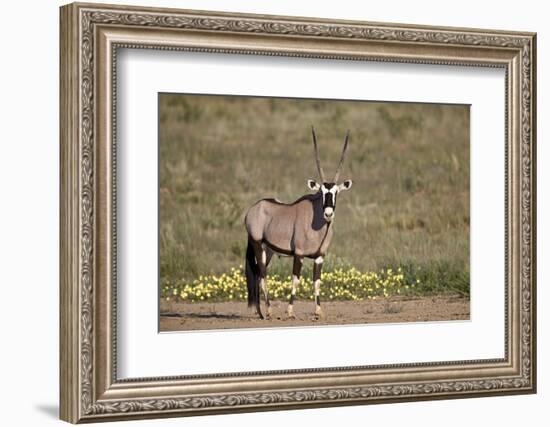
x: 346, y: 185
x: 312, y: 185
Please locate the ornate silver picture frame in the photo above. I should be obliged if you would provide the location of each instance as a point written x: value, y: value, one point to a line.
x: 91, y: 390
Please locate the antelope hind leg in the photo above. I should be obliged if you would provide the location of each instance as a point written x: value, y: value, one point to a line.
x: 262, y: 259
x: 296, y: 268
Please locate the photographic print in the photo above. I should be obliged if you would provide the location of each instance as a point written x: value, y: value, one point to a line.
x: 278, y: 212
x: 294, y: 202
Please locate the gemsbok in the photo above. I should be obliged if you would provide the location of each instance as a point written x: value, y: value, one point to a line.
x: 301, y: 229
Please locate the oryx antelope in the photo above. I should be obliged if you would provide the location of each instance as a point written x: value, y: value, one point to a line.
x: 301, y: 229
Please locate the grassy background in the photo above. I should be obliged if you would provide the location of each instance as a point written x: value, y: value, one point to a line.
x: 409, y: 205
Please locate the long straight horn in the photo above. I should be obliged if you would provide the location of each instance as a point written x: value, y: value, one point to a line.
x: 337, y: 175
x: 319, y: 168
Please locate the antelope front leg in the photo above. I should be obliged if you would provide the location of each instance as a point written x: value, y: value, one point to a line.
x: 296, y: 268
x: 317, y: 266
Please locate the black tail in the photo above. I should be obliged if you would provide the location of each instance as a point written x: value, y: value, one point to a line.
x: 252, y: 272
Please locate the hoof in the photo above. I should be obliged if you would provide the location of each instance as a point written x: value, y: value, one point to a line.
x: 269, y: 313
x: 319, y: 314
x: 260, y: 315
x: 290, y: 313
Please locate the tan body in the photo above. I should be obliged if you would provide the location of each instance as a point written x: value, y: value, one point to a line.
x: 292, y: 229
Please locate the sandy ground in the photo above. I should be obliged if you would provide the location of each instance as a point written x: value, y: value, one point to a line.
x: 178, y: 316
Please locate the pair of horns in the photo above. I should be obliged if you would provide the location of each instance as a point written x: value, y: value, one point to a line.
x: 319, y: 168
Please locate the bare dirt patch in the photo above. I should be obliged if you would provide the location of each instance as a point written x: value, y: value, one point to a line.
x: 180, y: 316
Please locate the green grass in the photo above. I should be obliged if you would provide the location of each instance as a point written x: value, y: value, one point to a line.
x: 408, y: 208
x: 436, y: 278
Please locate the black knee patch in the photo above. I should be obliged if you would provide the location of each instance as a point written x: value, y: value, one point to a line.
x: 317, y: 300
